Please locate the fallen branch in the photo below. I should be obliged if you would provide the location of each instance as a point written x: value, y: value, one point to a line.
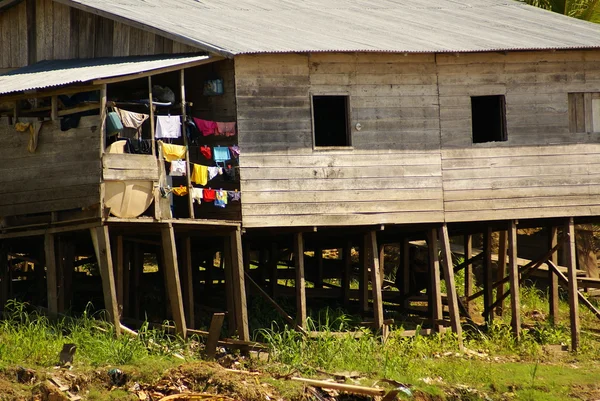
x: 349, y: 388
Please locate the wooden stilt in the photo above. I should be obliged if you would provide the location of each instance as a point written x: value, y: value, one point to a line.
x: 501, y: 270
x: 101, y: 240
x: 435, y: 296
x: 4, y: 276
x: 468, y: 250
x: 363, y: 283
x: 51, y: 273
x: 187, y: 280
x: 137, y: 271
x: 450, y: 286
x: 488, y: 281
x: 213, y: 335
x: 552, y: 278
x: 300, y: 283
x: 513, y: 272
x: 347, y: 275
x: 172, y: 276
x: 372, y: 256
x: 273, y: 268
x: 572, y: 277
x: 117, y: 255
x: 239, y: 285
x: 229, y: 287
x: 319, y: 259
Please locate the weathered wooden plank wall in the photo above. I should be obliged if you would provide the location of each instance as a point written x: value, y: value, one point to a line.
x: 392, y: 174
x: 543, y: 170
x: 63, y: 173
x: 38, y: 30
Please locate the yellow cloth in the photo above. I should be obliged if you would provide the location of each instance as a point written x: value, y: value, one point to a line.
x: 180, y: 191
x: 172, y: 152
x: 34, y: 131
x: 199, y: 174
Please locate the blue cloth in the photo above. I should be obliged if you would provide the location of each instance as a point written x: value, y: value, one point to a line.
x: 221, y: 154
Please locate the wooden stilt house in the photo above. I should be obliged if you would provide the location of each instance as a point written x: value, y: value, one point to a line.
x: 359, y: 124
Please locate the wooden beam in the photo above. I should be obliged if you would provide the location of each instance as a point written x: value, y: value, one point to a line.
x: 468, y: 250
x: 188, y: 280
x: 513, y: 274
x: 101, y: 241
x: 152, y: 129
x: 300, y: 283
x: 103, y: 99
x: 487, y: 276
x: 347, y: 275
x: 382, y: 262
x: 54, y: 108
x: 451, y: 294
x: 51, y: 285
x: 569, y: 231
x: 502, y: 249
x: 188, y: 176
x: 169, y: 253
x: 553, y: 278
x: 117, y: 255
x: 156, y: 71
x: 435, y: 296
x: 363, y: 280
x: 49, y: 93
x: 214, y: 332
x: 239, y: 285
x: 373, y: 258
x: 565, y: 281
x: 78, y: 109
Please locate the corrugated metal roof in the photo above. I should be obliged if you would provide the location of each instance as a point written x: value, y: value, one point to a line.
x: 62, y: 72
x: 264, y: 26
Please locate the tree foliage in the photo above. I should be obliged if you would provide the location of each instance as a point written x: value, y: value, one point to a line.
x: 588, y: 10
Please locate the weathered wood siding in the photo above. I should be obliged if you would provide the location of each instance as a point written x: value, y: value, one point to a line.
x: 63, y: 173
x: 36, y: 30
x: 392, y: 174
x: 543, y: 170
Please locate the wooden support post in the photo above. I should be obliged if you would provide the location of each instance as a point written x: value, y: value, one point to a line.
x: 405, y: 268
x: 319, y: 259
x: 501, y: 270
x: 172, y: 275
x: 435, y: 296
x: 51, y: 274
x: 229, y: 286
x: 553, y: 278
x: 54, y: 108
x: 239, y: 285
x: 363, y: 283
x: 273, y: 268
x: 103, y: 99
x: 513, y: 273
x: 452, y: 296
x: 572, y: 286
x: 187, y: 280
x: 372, y: 255
x: 488, y: 281
x: 382, y: 262
x: 300, y: 282
x: 117, y: 255
x: 347, y: 274
x: 188, y: 176
x: 468, y: 250
x: 151, y: 107
x: 214, y: 332
x: 101, y: 240
x: 4, y: 276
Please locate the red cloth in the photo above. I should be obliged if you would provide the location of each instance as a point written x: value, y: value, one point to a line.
x: 206, y: 152
x: 227, y: 129
x: 206, y: 127
x: 209, y: 195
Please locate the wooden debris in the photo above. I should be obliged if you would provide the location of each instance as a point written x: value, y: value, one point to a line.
x: 349, y: 388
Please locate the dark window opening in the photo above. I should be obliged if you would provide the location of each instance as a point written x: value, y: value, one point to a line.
x: 330, y: 114
x: 489, y: 118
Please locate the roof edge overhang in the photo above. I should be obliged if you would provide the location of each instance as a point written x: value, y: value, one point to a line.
x: 149, y: 28
x: 6, y: 4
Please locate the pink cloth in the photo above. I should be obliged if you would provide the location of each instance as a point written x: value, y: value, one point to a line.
x: 227, y: 129
x: 206, y: 127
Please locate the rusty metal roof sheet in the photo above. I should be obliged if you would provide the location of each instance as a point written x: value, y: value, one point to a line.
x: 231, y: 27
x: 62, y: 72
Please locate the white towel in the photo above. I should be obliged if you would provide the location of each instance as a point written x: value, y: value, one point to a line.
x: 168, y: 127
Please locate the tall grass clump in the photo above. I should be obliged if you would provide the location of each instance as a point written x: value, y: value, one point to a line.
x: 30, y: 338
